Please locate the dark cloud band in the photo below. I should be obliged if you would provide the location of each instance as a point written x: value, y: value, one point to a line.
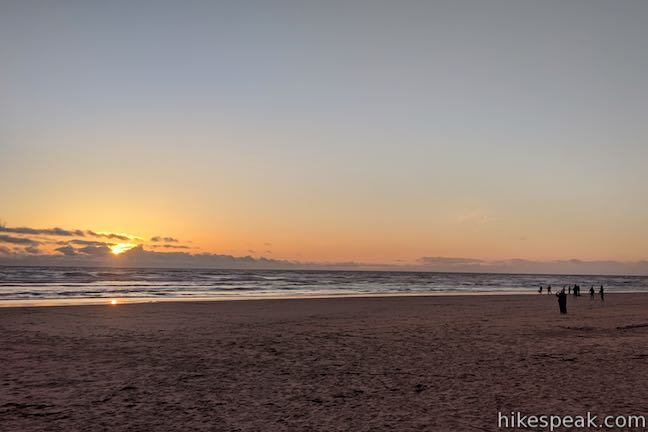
x: 64, y: 232
x: 18, y: 240
x: 159, y: 239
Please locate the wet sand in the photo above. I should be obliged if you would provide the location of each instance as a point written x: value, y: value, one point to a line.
x: 352, y: 364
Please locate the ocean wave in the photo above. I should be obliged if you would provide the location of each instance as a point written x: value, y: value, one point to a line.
x: 66, y: 282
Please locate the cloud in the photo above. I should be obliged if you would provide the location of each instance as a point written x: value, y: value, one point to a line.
x: 95, y: 250
x: 112, y: 236
x: 159, y: 239
x: 66, y: 250
x: 83, y: 242
x: 139, y: 257
x: 100, y: 255
x: 91, y: 250
x: 33, y: 250
x: 46, y: 231
x: 520, y: 265
x: 170, y: 246
x: 66, y: 232
x: 18, y: 240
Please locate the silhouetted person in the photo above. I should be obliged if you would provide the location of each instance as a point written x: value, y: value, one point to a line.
x: 592, y: 292
x: 540, y: 290
x: 569, y: 290
x: 549, y: 289
x: 602, y: 293
x: 576, y: 290
x: 562, y: 301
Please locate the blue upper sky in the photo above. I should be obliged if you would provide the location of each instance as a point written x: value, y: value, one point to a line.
x: 365, y: 130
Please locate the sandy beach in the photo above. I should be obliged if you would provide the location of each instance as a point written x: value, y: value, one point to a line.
x: 361, y: 364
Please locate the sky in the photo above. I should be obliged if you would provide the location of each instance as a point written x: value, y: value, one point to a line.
x: 378, y: 133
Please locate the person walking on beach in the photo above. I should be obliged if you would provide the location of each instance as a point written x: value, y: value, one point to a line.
x: 540, y: 290
x: 569, y: 290
x: 592, y: 292
x: 562, y: 301
x: 601, y: 293
x: 549, y: 289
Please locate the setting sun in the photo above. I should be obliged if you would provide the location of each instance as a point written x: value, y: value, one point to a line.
x: 121, y: 247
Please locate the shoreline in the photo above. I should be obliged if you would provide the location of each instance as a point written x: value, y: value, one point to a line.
x: 106, y: 301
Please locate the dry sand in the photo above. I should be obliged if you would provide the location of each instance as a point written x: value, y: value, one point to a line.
x: 354, y: 364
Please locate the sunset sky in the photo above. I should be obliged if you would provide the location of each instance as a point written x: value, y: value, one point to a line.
x: 365, y: 131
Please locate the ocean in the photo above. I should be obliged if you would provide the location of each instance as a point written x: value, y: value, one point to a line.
x: 98, y: 285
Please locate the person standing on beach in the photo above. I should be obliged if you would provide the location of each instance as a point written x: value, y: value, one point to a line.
x: 549, y: 289
x: 569, y: 290
x: 601, y: 293
x: 592, y: 292
x: 562, y: 301
x: 540, y: 290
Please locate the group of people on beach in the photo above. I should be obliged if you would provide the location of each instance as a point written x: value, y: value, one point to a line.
x: 575, y: 289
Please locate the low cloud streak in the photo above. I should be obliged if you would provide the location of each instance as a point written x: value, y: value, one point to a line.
x: 160, y: 239
x: 60, y: 232
x: 18, y: 240
x: 519, y: 265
